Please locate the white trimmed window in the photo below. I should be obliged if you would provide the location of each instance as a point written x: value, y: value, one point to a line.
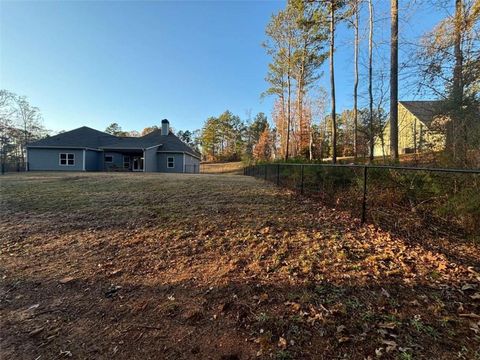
x: 108, y: 158
x: 170, y: 162
x: 66, y: 159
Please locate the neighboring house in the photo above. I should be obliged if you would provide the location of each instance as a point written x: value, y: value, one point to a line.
x: 417, y: 129
x: 86, y: 149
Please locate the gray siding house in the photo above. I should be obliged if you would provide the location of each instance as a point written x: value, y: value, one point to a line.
x: 86, y: 149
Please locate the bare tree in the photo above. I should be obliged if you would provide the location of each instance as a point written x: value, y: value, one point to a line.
x: 356, y: 10
x: 332, y: 80
x: 29, y: 121
x: 7, y: 115
x: 370, y: 79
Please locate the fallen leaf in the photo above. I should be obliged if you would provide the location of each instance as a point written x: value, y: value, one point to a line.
x: 387, y: 325
x: 391, y: 345
x: 475, y: 296
x: 36, y: 331
x: 66, y: 280
x: 282, y: 343
x: 343, y: 339
x: 471, y: 316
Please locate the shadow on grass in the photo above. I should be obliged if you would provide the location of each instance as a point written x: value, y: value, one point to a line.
x: 240, y: 319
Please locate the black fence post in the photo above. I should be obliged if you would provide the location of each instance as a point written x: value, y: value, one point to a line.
x: 278, y: 174
x: 265, y: 175
x: 301, y: 176
x: 364, y: 201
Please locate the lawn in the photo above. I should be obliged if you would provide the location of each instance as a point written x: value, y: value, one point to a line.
x: 165, y: 266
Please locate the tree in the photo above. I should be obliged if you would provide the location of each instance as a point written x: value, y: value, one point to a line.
x: 149, y: 129
x: 356, y: 10
x: 30, y: 120
x: 209, y: 138
x: 7, y: 113
x: 394, y: 80
x: 258, y: 126
x: 370, y: 78
x: 308, y: 56
x: 188, y: 137
x: 253, y: 131
x: 221, y: 137
x: 116, y: 130
x: 20, y: 124
x: 332, y: 21
x: 263, y: 149
x: 281, y: 44
x: 450, y: 69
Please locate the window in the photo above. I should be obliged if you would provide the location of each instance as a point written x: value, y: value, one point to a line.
x: 108, y: 158
x: 66, y: 159
x: 126, y: 162
x: 170, y: 162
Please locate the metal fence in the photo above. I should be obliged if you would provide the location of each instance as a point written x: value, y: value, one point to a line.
x: 11, y: 167
x: 387, y: 194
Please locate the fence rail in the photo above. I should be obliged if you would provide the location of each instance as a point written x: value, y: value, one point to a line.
x: 447, y: 195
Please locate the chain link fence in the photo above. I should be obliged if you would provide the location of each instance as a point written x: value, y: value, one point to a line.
x: 406, y: 198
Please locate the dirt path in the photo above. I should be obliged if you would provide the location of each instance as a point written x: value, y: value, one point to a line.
x: 156, y: 266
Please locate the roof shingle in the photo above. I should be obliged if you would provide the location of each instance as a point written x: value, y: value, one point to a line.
x: 85, y: 137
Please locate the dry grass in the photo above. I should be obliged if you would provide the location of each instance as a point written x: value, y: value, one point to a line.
x: 232, y: 168
x: 168, y: 266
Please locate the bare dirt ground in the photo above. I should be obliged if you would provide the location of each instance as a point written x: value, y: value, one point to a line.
x: 158, y: 266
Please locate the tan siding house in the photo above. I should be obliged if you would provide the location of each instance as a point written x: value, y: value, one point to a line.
x: 416, y: 132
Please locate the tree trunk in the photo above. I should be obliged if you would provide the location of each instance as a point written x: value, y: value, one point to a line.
x: 370, y: 79
x: 332, y: 81
x: 457, y: 131
x: 289, y: 91
x: 310, y: 145
x: 300, y: 101
x: 394, y: 80
x: 288, y: 115
x: 355, y: 85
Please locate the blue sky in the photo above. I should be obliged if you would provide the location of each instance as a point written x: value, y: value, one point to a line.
x: 93, y: 63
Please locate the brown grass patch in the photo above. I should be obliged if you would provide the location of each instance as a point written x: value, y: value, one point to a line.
x: 223, y: 267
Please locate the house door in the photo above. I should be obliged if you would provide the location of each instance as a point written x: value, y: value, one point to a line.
x: 137, y: 163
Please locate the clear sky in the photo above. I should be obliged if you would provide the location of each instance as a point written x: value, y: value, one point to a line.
x: 93, y: 63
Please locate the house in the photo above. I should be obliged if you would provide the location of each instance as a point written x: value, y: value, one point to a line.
x: 418, y: 130
x: 86, y: 149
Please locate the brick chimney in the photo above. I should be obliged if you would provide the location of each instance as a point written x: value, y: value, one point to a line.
x: 165, y: 127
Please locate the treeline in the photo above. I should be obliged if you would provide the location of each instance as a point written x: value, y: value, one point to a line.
x: 302, y: 44
x: 443, y: 65
x: 228, y: 138
x: 20, y: 123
